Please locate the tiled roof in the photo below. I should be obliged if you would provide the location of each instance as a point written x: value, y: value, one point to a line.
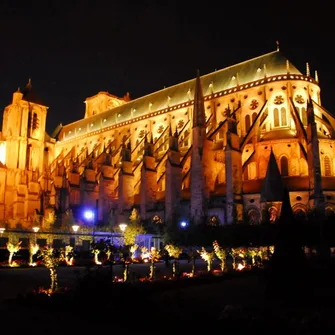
x: 271, y: 64
x: 30, y: 95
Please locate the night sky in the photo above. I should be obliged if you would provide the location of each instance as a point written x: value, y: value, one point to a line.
x: 74, y: 49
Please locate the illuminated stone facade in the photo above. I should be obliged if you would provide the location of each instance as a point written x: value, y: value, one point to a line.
x: 195, y: 151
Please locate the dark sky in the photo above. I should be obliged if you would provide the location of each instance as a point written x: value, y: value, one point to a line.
x: 74, y: 49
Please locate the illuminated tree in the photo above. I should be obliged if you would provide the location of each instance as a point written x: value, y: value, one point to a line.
x: 207, y: 256
x: 220, y: 253
x: 154, y: 257
x: 13, y: 249
x: 132, y: 249
x: 68, y: 255
x: 96, y: 253
x: 175, y: 252
x: 134, y: 216
x: 108, y: 254
x: 33, y: 249
x: 51, y: 259
x: 131, y: 232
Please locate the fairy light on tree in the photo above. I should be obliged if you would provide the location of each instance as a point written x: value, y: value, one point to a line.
x: 96, y: 253
x: 175, y: 252
x: 145, y: 254
x: 207, y: 256
x: 220, y: 253
x: 154, y: 257
x: 33, y: 249
x: 132, y: 250
x: 51, y: 259
x: 13, y: 249
x: 68, y: 255
x: 108, y: 254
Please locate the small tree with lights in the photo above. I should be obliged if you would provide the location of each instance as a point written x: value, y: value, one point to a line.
x: 154, y: 257
x: 33, y: 249
x: 13, y: 249
x: 175, y: 252
x: 51, y: 259
x: 220, y: 253
x: 207, y: 256
x: 131, y: 232
x: 68, y: 255
x: 133, y: 249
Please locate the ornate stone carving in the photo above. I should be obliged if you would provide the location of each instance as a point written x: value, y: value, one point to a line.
x: 279, y: 99
x: 253, y: 104
x: 299, y: 99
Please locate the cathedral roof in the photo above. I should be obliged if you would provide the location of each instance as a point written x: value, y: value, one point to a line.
x: 30, y: 95
x: 270, y: 64
x: 273, y: 186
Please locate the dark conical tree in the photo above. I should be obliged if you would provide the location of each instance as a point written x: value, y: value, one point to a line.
x: 286, y: 271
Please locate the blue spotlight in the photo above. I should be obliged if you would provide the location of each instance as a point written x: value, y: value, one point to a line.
x: 183, y: 224
x: 88, y: 214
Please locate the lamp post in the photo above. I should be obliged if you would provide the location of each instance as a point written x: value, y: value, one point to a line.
x: 75, y: 228
x: 123, y: 227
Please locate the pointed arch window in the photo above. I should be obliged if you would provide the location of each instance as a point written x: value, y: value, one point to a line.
x: 254, y: 116
x: 280, y: 117
x: 304, y: 116
x: 328, y: 172
x: 276, y: 117
x: 247, y: 123
x: 283, y: 116
x: 284, y: 166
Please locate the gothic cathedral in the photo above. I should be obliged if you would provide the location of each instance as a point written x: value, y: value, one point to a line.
x: 219, y: 148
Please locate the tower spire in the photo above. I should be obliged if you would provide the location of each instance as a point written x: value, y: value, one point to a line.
x: 308, y: 72
x: 199, y: 108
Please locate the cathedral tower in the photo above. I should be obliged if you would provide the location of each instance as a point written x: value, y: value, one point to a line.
x: 24, y: 130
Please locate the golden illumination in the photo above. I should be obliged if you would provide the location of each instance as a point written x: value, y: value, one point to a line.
x: 75, y: 228
x: 3, y: 153
x: 13, y: 249
x: 123, y: 226
x: 33, y: 249
x: 207, y: 256
x: 96, y: 253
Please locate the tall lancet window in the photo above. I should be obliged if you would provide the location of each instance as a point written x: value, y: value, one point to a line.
x: 254, y: 115
x: 328, y: 172
x: 283, y: 117
x: 247, y: 123
x: 276, y: 117
x: 280, y: 117
x: 304, y: 116
x: 284, y: 166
